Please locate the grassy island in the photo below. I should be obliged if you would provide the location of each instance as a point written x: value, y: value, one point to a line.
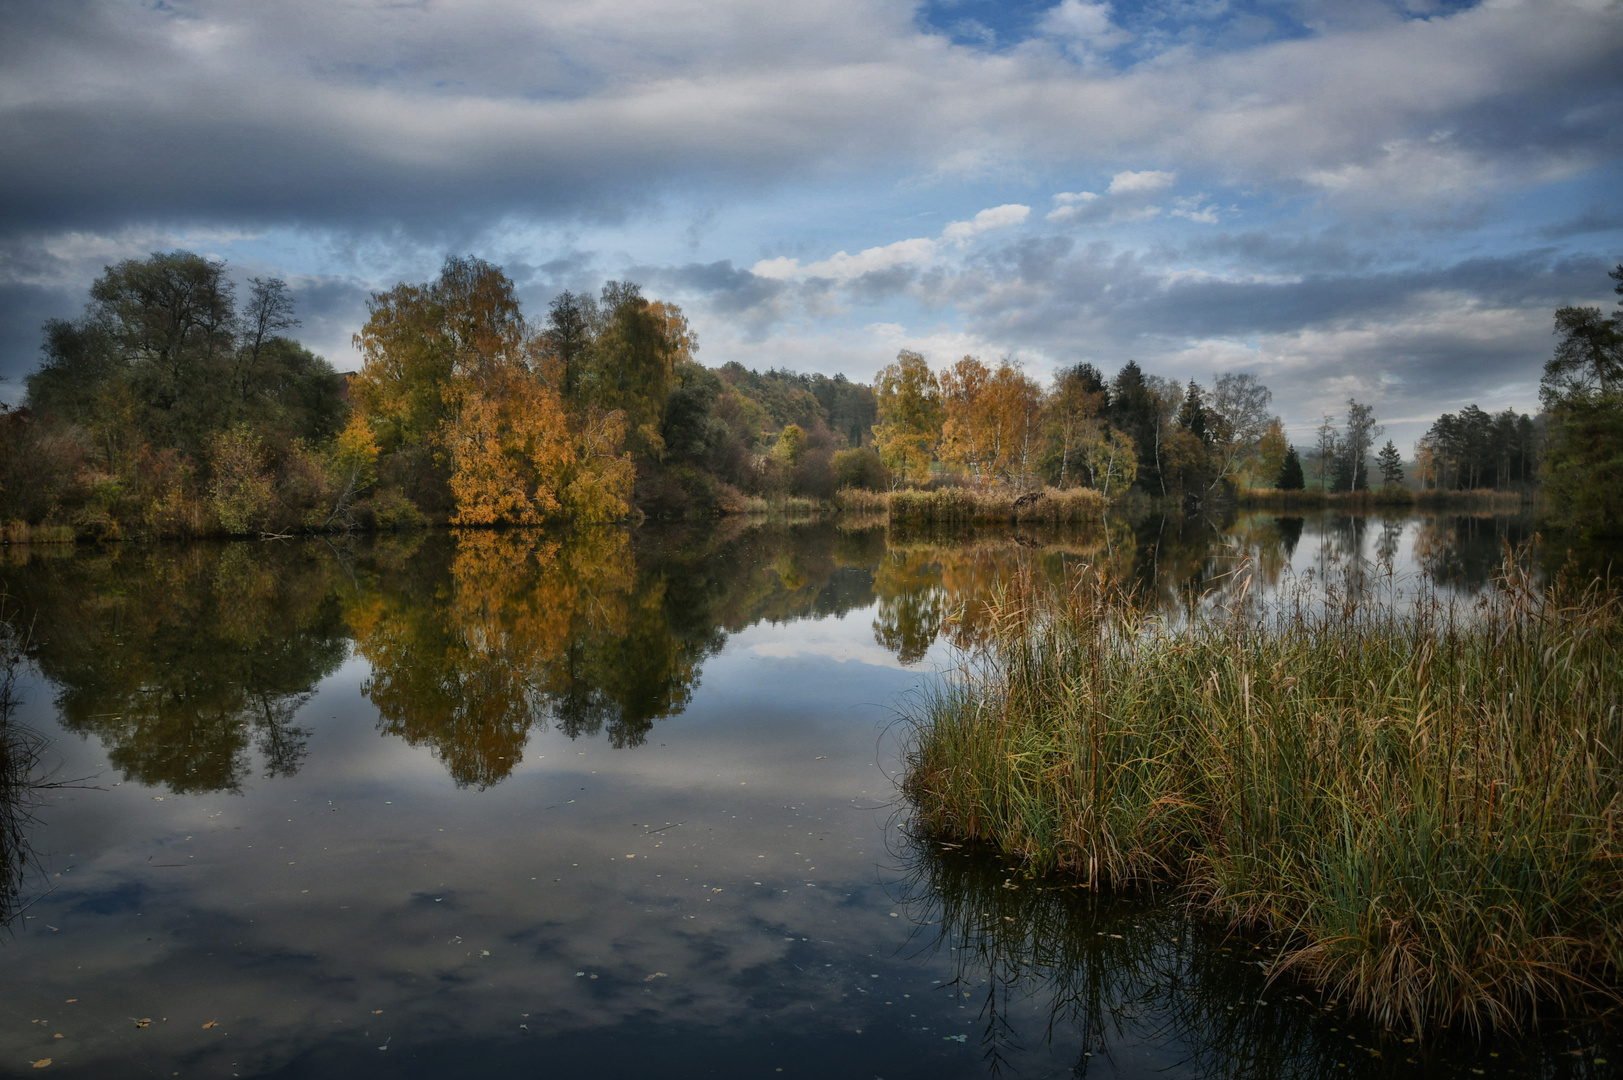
x: 1422, y: 806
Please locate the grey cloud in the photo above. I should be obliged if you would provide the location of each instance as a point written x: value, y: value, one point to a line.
x: 23, y: 308
x: 1595, y: 219
x: 1279, y: 253
x: 263, y: 113
x: 729, y: 290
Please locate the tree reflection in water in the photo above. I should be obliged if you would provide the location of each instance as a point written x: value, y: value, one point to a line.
x: 1120, y: 974
x: 191, y: 663
x: 181, y: 659
x: 20, y: 749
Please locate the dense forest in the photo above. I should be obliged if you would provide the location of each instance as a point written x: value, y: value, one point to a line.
x: 171, y: 408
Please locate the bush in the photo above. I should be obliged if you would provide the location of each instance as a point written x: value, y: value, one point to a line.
x: 861, y: 468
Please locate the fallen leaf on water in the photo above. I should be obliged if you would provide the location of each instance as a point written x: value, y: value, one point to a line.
x: 656, y: 975
x: 377, y: 1012
x: 212, y: 1023
x: 41, y: 1063
x: 144, y: 1022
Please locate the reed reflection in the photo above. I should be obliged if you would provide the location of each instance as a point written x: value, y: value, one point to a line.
x: 1114, y: 974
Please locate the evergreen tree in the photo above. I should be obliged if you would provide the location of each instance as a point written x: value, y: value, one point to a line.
x: 1390, y: 463
x: 1290, y: 473
x: 1192, y: 414
x: 1582, y: 391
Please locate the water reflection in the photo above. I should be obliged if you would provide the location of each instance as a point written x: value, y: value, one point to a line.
x: 497, y: 760
x: 20, y: 751
x: 1116, y: 975
x: 191, y: 664
x: 182, y: 659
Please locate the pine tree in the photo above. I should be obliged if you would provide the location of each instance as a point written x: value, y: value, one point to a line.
x: 1290, y: 473
x: 1391, y: 465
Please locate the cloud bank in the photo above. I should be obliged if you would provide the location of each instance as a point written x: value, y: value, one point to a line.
x: 1316, y: 192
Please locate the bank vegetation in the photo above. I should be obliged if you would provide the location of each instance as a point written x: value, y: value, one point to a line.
x: 1423, y: 808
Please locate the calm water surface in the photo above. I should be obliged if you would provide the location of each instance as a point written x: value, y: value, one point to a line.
x: 618, y: 804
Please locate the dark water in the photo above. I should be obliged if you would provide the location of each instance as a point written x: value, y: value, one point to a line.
x: 610, y: 804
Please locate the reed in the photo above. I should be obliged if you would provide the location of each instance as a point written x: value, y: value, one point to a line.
x: 1422, y: 806
x: 852, y: 500
x: 960, y: 505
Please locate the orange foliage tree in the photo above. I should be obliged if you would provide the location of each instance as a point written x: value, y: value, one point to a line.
x: 453, y: 373
x: 993, y: 420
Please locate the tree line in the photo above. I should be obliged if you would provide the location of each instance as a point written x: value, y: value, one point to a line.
x: 998, y: 425
x: 172, y: 407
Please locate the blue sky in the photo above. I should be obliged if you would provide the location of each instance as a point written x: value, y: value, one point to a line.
x: 1364, y: 198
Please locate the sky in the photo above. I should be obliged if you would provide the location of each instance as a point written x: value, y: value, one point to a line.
x: 1373, y: 199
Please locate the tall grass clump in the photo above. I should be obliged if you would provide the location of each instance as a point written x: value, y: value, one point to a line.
x: 963, y: 506
x: 1421, y: 804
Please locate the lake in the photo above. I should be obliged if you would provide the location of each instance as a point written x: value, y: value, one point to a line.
x: 618, y: 803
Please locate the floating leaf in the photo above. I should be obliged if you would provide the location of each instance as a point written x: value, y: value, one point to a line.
x: 212, y: 1023
x: 42, y: 1063
x: 144, y: 1022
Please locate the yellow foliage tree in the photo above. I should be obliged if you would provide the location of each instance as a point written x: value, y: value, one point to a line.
x: 1110, y: 457
x: 965, y: 438
x: 909, y: 427
x: 993, y: 420
x: 509, y: 451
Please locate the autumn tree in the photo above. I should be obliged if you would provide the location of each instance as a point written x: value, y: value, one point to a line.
x: 1017, y: 402
x: 1239, y: 421
x: 1110, y: 458
x: 631, y: 365
x: 454, y: 377
x: 910, y: 416
x: 1078, y: 398
x: 1270, y: 455
x: 968, y: 420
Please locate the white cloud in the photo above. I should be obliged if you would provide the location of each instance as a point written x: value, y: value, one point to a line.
x: 1190, y: 208
x: 843, y: 267
x: 1137, y: 183
x: 1083, y: 27
x: 1126, y: 200
x: 998, y: 217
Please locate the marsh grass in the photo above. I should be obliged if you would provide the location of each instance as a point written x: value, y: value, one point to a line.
x: 962, y: 506
x: 1421, y: 805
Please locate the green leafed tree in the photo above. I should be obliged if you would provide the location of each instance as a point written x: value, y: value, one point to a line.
x: 910, y: 417
x: 1582, y: 393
